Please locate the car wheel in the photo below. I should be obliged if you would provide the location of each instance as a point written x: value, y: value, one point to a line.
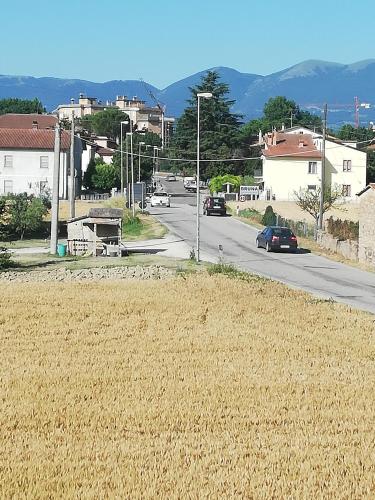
x: 268, y: 247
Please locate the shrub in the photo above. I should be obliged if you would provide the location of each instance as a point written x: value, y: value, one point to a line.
x: 5, y: 258
x: 21, y: 214
x: 251, y: 213
x: 269, y: 217
x: 343, y: 230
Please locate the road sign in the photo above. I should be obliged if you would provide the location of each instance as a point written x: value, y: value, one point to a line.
x: 250, y: 190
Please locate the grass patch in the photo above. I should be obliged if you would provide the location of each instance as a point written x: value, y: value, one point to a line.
x: 232, y: 272
x: 141, y: 227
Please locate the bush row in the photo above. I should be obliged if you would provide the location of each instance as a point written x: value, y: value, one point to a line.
x: 343, y: 229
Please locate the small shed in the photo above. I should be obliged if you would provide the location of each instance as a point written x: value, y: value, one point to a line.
x: 98, y: 233
x: 366, y: 239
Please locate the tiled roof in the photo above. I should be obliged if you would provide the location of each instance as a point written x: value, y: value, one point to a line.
x: 105, y: 151
x: 14, y: 120
x: 293, y: 145
x: 31, y: 139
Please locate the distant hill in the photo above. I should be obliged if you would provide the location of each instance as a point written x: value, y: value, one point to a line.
x: 310, y: 83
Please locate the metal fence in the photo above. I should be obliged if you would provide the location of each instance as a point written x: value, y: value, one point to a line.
x: 300, y: 228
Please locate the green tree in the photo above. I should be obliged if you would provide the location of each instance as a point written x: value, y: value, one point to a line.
x: 349, y: 133
x: 22, y: 106
x: 107, y: 123
x: 21, y: 214
x: 219, y: 128
x: 217, y: 183
x: 87, y: 176
x: 279, y: 110
x: 105, y: 177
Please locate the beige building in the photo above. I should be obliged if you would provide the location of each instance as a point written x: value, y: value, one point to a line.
x: 292, y: 160
x: 85, y: 106
x: 366, y: 240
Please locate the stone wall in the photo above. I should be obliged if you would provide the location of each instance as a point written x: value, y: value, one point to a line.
x: 347, y: 248
x: 367, y: 227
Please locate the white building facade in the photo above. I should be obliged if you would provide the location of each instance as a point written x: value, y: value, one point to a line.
x: 27, y: 162
x: 292, y: 161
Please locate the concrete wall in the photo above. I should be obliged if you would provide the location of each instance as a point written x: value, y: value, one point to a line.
x: 367, y: 227
x: 347, y: 248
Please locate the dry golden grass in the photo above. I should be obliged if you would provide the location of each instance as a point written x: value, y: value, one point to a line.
x: 203, y: 387
x: 290, y: 210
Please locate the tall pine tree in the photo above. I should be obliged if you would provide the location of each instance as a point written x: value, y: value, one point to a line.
x: 219, y: 129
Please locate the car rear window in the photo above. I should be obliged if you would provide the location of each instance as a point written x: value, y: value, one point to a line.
x: 282, y: 231
x: 218, y: 200
x: 160, y: 194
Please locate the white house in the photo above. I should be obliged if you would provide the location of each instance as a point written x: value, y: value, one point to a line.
x: 27, y: 161
x: 292, y: 160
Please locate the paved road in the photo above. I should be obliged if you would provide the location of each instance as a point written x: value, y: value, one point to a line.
x: 315, y: 274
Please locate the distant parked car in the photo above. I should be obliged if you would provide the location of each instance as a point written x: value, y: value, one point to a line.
x: 160, y: 198
x: 277, y: 238
x: 170, y: 178
x: 214, y: 205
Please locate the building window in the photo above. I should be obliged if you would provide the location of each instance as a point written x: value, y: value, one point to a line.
x: 44, y: 161
x: 311, y: 187
x: 8, y: 186
x: 346, y: 190
x: 8, y: 161
x: 313, y: 167
x: 347, y: 165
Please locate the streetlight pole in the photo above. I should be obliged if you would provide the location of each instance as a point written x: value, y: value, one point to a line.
x: 132, y: 166
x: 121, y: 156
x: 139, y: 159
x: 204, y: 95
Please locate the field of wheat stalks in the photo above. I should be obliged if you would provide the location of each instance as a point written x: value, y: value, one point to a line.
x: 195, y: 387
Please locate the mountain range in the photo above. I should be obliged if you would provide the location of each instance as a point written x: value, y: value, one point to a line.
x: 310, y: 83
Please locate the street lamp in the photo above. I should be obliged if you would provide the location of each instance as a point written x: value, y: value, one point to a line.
x: 122, y: 167
x: 132, y: 165
x: 200, y: 95
x: 139, y: 159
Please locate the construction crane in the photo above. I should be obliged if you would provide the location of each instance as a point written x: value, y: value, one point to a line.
x: 357, y: 106
x: 161, y: 108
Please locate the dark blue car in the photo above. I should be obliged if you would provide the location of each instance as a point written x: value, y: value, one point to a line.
x: 277, y: 238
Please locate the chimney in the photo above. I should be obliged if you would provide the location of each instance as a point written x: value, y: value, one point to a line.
x: 81, y: 95
x: 274, y: 137
x: 260, y: 138
x: 282, y: 127
x: 72, y: 100
x: 269, y: 139
x: 34, y: 125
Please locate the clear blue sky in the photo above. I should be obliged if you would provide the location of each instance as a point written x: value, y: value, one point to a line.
x: 166, y: 40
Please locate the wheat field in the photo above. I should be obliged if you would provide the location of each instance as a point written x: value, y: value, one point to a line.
x: 194, y: 387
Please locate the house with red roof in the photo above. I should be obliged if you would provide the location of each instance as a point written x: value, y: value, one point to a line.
x: 27, y: 161
x: 292, y: 161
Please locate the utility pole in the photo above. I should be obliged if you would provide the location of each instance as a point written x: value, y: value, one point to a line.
x: 291, y: 119
x: 322, y: 181
x: 72, y: 173
x: 127, y: 165
x: 55, y: 192
x: 132, y: 166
